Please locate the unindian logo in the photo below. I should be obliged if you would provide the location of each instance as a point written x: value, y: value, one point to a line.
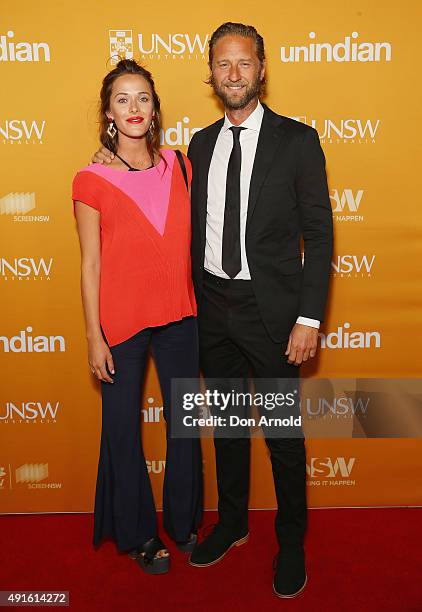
x: 343, y: 338
x: 25, y: 342
x: 180, y: 134
x: 151, y: 413
x: 348, y: 50
x: 13, y: 51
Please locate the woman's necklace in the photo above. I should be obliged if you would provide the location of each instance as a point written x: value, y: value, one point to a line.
x: 131, y: 169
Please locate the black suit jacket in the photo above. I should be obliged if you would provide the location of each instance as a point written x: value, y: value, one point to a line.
x: 288, y: 200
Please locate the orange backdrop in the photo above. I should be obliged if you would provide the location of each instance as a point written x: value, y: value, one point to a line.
x: 347, y: 68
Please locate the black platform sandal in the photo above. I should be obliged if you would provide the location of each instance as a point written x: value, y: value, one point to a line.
x: 146, y: 558
x: 189, y: 545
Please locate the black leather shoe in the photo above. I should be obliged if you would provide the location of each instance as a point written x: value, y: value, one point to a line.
x: 215, y: 547
x: 290, y: 574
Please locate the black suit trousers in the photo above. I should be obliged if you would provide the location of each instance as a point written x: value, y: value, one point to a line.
x: 235, y: 344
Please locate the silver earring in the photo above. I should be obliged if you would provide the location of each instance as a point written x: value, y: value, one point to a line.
x: 152, y: 126
x: 111, y: 130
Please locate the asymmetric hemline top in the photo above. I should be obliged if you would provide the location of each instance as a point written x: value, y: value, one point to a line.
x: 145, y: 278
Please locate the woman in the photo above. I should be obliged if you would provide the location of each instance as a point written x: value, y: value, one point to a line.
x: 133, y: 219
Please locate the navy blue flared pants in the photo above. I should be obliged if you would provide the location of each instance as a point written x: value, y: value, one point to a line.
x: 124, y: 504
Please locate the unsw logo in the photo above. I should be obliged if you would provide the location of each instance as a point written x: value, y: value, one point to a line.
x: 343, y: 131
x: 29, y: 412
x: 337, y: 407
x: 21, y: 131
x: 327, y: 467
x: 156, y: 466
x: 328, y: 471
x: 346, y: 201
x: 25, y: 268
x: 352, y: 266
x: 157, y: 45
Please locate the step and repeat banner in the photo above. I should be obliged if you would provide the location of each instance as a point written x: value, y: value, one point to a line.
x: 350, y: 70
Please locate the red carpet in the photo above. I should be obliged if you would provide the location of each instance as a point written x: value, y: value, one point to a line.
x: 357, y: 560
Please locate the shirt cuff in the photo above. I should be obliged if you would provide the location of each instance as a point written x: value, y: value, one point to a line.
x: 308, y: 322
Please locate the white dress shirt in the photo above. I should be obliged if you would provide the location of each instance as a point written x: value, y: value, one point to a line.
x: 217, y: 195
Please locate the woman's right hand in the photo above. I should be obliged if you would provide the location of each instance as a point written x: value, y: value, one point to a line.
x: 103, y: 156
x: 99, y: 358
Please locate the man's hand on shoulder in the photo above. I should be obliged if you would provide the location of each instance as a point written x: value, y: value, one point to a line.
x: 102, y: 156
x: 302, y: 344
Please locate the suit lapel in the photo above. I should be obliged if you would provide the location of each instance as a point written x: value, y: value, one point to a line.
x: 208, y: 150
x: 269, y: 140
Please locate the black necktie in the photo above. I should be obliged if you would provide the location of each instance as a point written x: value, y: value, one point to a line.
x: 231, y: 262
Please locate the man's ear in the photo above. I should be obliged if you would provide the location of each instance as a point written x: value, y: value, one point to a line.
x: 263, y: 67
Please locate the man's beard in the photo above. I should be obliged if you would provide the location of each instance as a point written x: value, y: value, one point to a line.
x: 250, y: 93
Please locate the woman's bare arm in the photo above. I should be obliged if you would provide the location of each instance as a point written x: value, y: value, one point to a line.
x: 88, y: 221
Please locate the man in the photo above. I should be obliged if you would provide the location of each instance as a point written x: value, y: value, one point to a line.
x: 259, y: 186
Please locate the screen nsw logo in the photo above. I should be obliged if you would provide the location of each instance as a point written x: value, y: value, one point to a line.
x: 34, y: 476
x: 161, y: 45
x: 16, y: 205
x: 28, y: 475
